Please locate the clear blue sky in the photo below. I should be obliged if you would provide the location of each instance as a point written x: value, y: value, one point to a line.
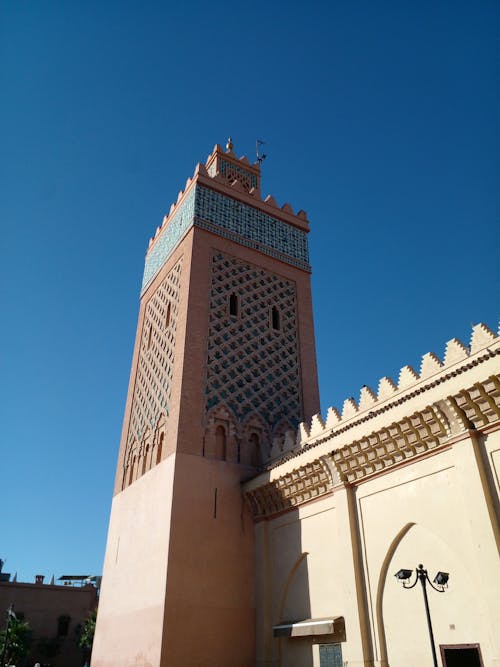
x: 381, y: 121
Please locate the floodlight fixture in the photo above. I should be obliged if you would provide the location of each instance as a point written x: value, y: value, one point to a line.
x: 441, y: 580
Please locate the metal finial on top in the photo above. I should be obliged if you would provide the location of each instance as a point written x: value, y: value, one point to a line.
x: 229, y: 145
x: 260, y: 156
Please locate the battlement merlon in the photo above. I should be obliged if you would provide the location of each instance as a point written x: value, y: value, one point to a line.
x: 415, y: 389
x: 231, y: 167
x: 463, y: 393
x: 226, y: 207
x: 236, y: 177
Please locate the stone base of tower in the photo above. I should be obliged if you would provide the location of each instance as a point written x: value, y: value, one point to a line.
x: 179, y: 570
x: 131, y: 606
x: 210, y: 607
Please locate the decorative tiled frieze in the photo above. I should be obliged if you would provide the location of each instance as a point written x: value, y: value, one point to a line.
x: 255, y: 245
x: 252, y: 224
x: 178, y: 224
x: 223, y: 215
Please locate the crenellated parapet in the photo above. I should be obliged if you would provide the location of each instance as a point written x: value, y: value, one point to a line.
x: 412, y: 388
x: 341, y: 459
x: 224, y: 197
x: 433, y: 370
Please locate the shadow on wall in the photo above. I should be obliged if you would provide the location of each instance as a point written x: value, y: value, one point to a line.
x: 295, y: 604
x: 282, y: 578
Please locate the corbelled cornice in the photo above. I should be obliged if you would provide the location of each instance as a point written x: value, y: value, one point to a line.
x: 408, y: 438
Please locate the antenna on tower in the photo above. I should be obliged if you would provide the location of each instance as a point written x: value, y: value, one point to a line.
x: 260, y: 156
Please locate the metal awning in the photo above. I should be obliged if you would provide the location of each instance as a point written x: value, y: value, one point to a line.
x: 310, y: 627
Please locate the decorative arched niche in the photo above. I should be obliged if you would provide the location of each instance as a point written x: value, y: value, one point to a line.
x: 457, y: 614
x: 158, y: 447
x: 283, y: 438
x: 254, y: 444
x: 220, y: 436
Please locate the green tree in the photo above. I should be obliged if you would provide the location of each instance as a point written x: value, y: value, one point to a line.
x: 14, y: 642
x: 87, y: 636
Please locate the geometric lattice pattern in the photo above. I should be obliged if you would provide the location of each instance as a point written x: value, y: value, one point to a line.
x: 480, y: 403
x: 233, y: 171
x: 252, y: 367
x: 155, y: 366
x: 411, y: 436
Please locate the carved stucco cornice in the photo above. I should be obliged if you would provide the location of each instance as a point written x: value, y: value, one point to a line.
x: 310, y: 443
x: 409, y: 438
x: 293, y: 489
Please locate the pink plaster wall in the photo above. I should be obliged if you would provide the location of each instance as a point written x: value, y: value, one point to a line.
x: 130, y: 615
x: 183, y: 581
x: 210, y: 594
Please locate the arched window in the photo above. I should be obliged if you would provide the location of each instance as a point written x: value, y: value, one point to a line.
x: 159, y: 448
x: 275, y: 318
x: 233, y: 304
x: 220, y: 443
x: 254, y: 450
x: 167, y: 315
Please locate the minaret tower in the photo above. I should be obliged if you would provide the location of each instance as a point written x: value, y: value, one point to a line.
x: 224, y: 365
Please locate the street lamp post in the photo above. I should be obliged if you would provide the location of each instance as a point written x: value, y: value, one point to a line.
x: 441, y: 581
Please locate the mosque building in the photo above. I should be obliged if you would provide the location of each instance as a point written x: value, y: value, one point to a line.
x: 248, y: 530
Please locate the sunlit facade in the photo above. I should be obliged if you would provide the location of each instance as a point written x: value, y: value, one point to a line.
x: 246, y: 529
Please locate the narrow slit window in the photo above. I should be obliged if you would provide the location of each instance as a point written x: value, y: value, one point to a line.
x: 220, y: 443
x: 233, y: 305
x: 159, y: 448
x: 275, y: 318
x: 131, y: 473
x: 254, y: 450
x: 167, y: 315
x: 145, y: 460
x: 150, y: 335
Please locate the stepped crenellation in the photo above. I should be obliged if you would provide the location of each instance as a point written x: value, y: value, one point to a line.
x: 369, y: 400
x: 236, y: 185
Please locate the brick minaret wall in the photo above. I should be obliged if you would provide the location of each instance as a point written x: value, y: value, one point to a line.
x: 224, y: 365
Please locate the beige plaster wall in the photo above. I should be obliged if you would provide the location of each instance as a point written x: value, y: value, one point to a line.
x: 311, y: 575
x: 427, y: 519
x: 437, y: 506
x: 439, y: 511
x: 130, y: 617
x: 492, y: 449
